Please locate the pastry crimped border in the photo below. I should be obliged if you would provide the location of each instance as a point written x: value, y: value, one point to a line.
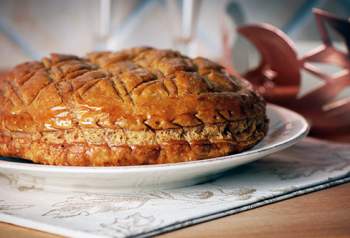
x: 83, y: 154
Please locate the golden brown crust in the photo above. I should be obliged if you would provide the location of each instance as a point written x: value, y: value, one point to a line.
x: 137, y: 106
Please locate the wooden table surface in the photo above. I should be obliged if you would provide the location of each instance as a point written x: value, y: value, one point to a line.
x: 320, y: 214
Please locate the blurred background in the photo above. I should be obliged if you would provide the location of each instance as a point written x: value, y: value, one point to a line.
x: 30, y: 29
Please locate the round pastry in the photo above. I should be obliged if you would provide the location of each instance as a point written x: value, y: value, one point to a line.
x: 132, y: 107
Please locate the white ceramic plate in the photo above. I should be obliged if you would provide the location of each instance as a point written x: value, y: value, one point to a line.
x: 286, y: 128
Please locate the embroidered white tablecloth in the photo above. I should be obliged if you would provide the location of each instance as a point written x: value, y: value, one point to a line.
x: 308, y: 166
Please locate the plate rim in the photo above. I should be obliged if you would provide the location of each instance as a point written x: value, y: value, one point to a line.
x: 125, y: 169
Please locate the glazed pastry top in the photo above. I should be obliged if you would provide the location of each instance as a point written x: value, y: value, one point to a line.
x: 134, y: 89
